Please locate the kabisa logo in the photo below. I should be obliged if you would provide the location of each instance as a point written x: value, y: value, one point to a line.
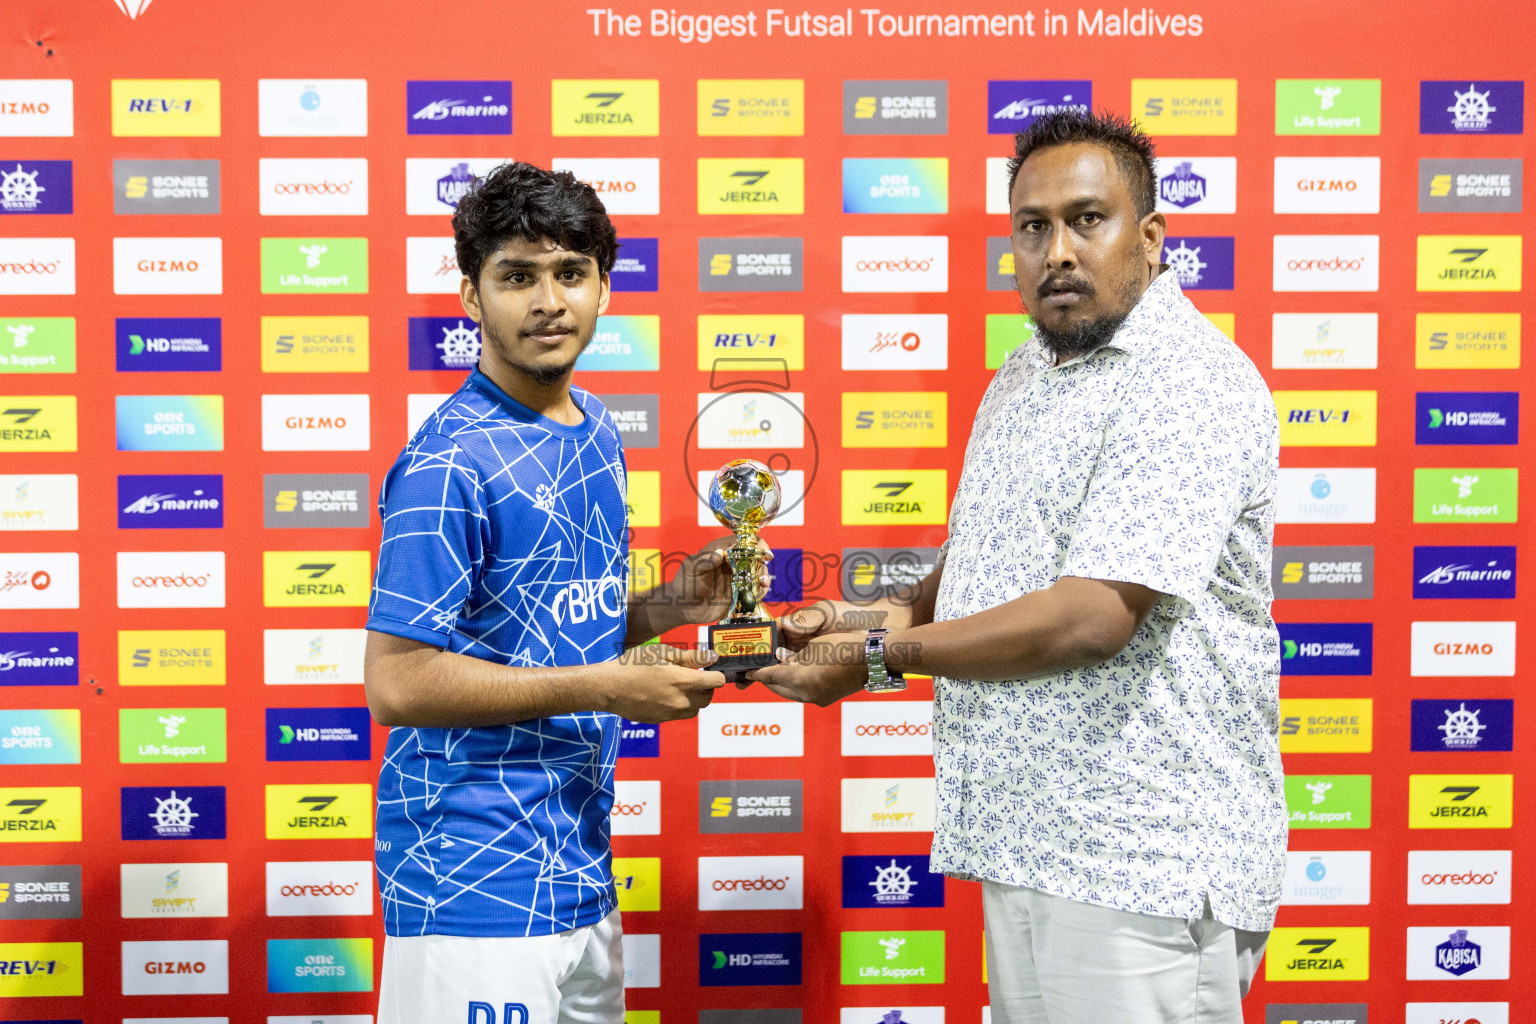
x: 1452, y: 953
x: 1468, y: 107
x: 443, y: 343
x: 184, y: 107
x: 1197, y: 184
x: 39, y: 659
x: 1460, y: 801
x: 1465, y: 185
x: 1182, y: 187
x: 1328, y: 801
x: 319, y: 965
x: 170, y: 344
x: 46, y: 814
x: 1012, y: 106
x: 890, y: 881
x: 1325, y: 648
x: 458, y: 108
x: 315, y: 579
x: 1185, y: 106
x: 1463, y: 572
x: 1318, y: 954
x: 319, y: 734
x: 165, y: 186
x: 1200, y: 263
x: 36, y: 186
x: 1469, y: 263
x: 312, y: 106
x: 874, y: 107
x: 434, y: 185
x: 320, y: 811
x: 760, y: 185
x: 175, y: 812
x: 1458, y: 954
x: 612, y: 107
x: 40, y: 893
x: 635, y: 269
x: 37, y: 107
x: 751, y: 806
x: 170, y: 502
x: 1468, y: 417
x: 751, y: 264
x: 639, y: 739
x: 1453, y: 725
x: 753, y: 958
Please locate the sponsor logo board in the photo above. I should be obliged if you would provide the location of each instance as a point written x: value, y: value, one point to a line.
x: 895, y: 419
x: 894, y: 107
x: 1458, y: 954
x: 36, y: 186
x: 43, y: 736
x: 320, y: 888
x: 774, y: 185
x: 171, y: 735
x: 170, y: 579
x: 319, y: 965
x: 1326, y: 263
x: 881, y: 728
x: 751, y: 264
x: 37, y: 344
x: 314, y: 423
x: 1324, y: 341
x: 316, y: 579
x: 314, y: 344
x: 1197, y: 184
x: 312, y: 656
x: 1185, y: 106
x: 173, y: 812
x: 895, y: 341
x: 912, y: 496
x: 171, y: 657
x: 320, y: 811
x: 40, y: 814
x: 626, y: 185
x: 1326, y: 496
x: 636, y: 417
x: 434, y: 185
x: 1326, y: 418
x: 319, y: 734
x: 315, y: 266
x: 1318, y: 954
x: 1466, y: 495
x: 748, y: 729
x: 1469, y: 263
x: 37, y: 108
x: 1463, y: 649
x: 606, y: 107
x: 636, y: 808
x: 1471, y: 108
x: 48, y: 579
x: 1013, y: 106
x: 169, y: 344
x: 1467, y: 417
x: 746, y: 805
x: 168, y: 266
x: 1327, y: 184
x: 313, y: 186
x: 636, y: 268
x: 889, y: 880
x: 37, y: 266
x: 162, y: 107
x: 627, y: 342
x: 1463, y: 572
x: 896, y: 185
x: 895, y: 263
x: 752, y: 958
x: 165, y: 186
x: 1458, y: 341
x: 1332, y: 724
x: 893, y: 958
x: 751, y: 883
x: 887, y: 805
x: 751, y: 106
x: 315, y: 500
x: 42, y: 969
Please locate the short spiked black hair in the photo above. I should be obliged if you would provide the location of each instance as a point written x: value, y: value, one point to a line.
x: 518, y: 200
x: 1133, y: 150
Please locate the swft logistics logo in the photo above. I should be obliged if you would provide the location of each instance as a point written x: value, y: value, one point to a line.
x: 887, y: 805
x: 45, y: 736
x: 37, y: 344
x: 1326, y: 418
x: 1461, y: 801
x: 314, y: 266
x: 175, y: 889
x: 908, y: 185
x: 874, y: 107
x: 757, y: 185
x: 1324, y: 341
x: 41, y: 969
x: 320, y: 811
x: 171, y: 344
x: 316, y: 579
x: 751, y: 806
x: 751, y: 106
x: 1458, y: 726
x: 1469, y: 263
x: 314, y: 344
x: 161, y: 107
x: 319, y: 965
x: 1466, y: 341
x: 893, y: 958
x: 40, y: 501
x: 47, y: 814
x: 1328, y: 801
x: 895, y: 419
x: 38, y: 423
x: 1464, y: 185
x: 911, y: 496
x: 297, y: 657
x: 1334, y: 725
x: 1467, y: 417
x: 1185, y: 106
x: 1318, y: 954
x: 737, y: 337
x: 1328, y: 573
x: 1328, y: 106
x: 1325, y: 648
x: 171, y: 735
x: 165, y: 186
x: 605, y: 106
x: 171, y: 657
x: 1466, y: 495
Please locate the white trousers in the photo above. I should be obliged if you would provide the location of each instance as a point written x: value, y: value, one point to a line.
x: 576, y: 977
x: 1052, y: 960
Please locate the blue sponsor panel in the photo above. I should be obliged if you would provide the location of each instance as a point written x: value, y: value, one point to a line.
x: 1463, y: 725
x: 458, y: 108
x: 637, y: 266
x: 1469, y: 106
x: 39, y: 659
x: 786, y: 575
x: 169, y: 344
x: 1464, y: 572
x: 891, y: 881
x: 1468, y: 417
x: 161, y: 502
x: 749, y: 958
x: 1203, y: 262
x: 443, y: 343
x: 319, y: 734
x: 36, y: 186
x: 173, y: 812
x: 1325, y: 648
x: 1013, y: 106
x: 639, y: 739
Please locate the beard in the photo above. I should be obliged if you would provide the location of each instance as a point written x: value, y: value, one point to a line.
x: 543, y: 374
x: 1087, y: 336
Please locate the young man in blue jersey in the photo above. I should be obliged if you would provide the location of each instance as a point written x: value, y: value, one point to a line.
x: 502, y: 644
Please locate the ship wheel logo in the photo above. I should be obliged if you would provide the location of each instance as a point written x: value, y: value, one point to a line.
x: 1461, y: 727
x: 19, y: 189
x: 892, y: 883
x: 1185, y: 264
x: 173, y: 815
x: 1471, y: 109
x: 460, y: 346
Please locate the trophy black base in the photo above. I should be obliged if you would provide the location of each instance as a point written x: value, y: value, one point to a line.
x: 743, y: 647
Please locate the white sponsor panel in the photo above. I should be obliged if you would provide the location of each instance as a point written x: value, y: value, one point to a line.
x: 888, y: 805
x: 330, y: 1018
x: 895, y: 341
x: 314, y: 423
x: 905, y: 1014
x: 1326, y: 263
x: 312, y: 106
x: 177, y: 889
x: 39, y: 501
x: 1326, y: 496
x: 791, y: 504
x: 1324, y: 341
x: 1459, y: 877
x: 1462, y: 649
x: 752, y: 729
x: 1457, y: 1013
x: 419, y: 407
x: 170, y: 579
x: 319, y: 888
x: 314, y: 187
x: 195, y: 1020
x: 636, y: 808
x: 431, y: 267
x: 896, y: 263
x: 169, y: 968
x: 33, y: 108
x: 997, y: 185
x: 751, y: 883
x: 1326, y: 878
x: 308, y: 656
x: 1483, y: 945
x: 751, y: 419
x: 37, y: 266
x: 41, y: 579
x: 168, y: 266
x: 876, y: 728
x: 642, y: 961
x: 1197, y: 184
x: 1327, y: 184
x: 625, y: 185
x: 424, y: 195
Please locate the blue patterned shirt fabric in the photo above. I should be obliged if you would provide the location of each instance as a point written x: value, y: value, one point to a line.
x: 1151, y: 781
x: 505, y: 538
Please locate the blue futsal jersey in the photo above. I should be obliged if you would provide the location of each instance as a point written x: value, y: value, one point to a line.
x: 505, y: 538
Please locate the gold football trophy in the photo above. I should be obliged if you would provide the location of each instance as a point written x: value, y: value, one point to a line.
x: 745, y: 496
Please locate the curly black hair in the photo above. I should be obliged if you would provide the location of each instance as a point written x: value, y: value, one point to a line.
x: 1132, y: 149
x: 518, y: 200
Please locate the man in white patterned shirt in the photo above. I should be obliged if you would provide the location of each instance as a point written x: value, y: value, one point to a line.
x: 1106, y: 671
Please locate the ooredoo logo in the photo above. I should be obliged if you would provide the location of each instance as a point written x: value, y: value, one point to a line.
x: 170, y: 579
x: 319, y: 888
x: 1326, y: 263
x: 752, y: 730
x: 879, y: 728
x: 37, y: 266
x: 332, y: 187
x: 636, y: 808
x: 1459, y: 876
x: 895, y: 263
x: 751, y: 883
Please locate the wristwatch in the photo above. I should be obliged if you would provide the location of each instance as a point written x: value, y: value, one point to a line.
x: 880, y: 680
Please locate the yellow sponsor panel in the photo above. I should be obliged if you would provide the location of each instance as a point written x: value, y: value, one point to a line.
x: 644, y: 497
x: 1226, y: 323
x: 1469, y: 263
x: 40, y: 814
x: 895, y: 419
x: 320, y: 811
x: 1185, y: 106
x: 41, y: 969
x: 638, y: 880
x: 1466, y: 341
x: 316, y: 579
x: 171, y: 657
x: 165, y: 107
x: 642, y: 1017
x: 1323, y: 419
x: 751, y: 185
x: 644, y: 569
x: 775, y: 342
x: 38, y: 423
x: 1318, y: 954
x: 907, y: 496
x: 751, y: 106
x: 1461, y: 801
x: 314, y: 344
x: 1326, y: 724
x: 605, y: 106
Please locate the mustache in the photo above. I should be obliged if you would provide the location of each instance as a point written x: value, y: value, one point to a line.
x: 556, y: 324
x: 1069, y: 281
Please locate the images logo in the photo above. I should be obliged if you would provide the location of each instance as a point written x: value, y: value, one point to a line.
x: 754, y: 958
x: 458, y: 108
x: 1200, y: 263
x: 1328, y: 801
x: 180, y: 812
x: 1185, y: 106
x: 1463, y: 649
x: 42, y: 969
x: 1450, y: 725
x: 37, y: 266
x: 1318, y: 954
x: 319, y: 734
x: 320, y: 811
x: 752, y: 730
x: 1469, y: 263
x: 873, y: 107
x: 1327, y: 184
x: 38, y: 344
x: 751, y: 883
x: 1327, y: 573
x: 319, y: 888
x: 895, y: 419
x: 1464, y: 572
x: 1471, y: 108
x: 314, y: 187
x: 170, y: 423
x: 312, y: 106
x: 1013, y: 106
x: 36, y: 186
x: 1332, y: 878
x: 902, y: 341
x: 1468, y: 417
x: 161, y: 107
x: 1470, y: 186
x: 895, y: 263
x: 171, y: 657
x: 1460, y: 801
x: 319, y: 965
x: 1466, y: 495
x: 314, y: 423
x: 631, y: 342
x: 316, y: 579
x: 890, y: 881
x: 1323, y: 106
x: 750, y: 106
x: 1326, y: 418
x: 40, y: 737
x: 40, y: 893
x: 37, y: 108
x: 303, y: 656
x: 314, y: 266
x: 1325, y: 725
x: 912, y: 185
x: 180, y: 344
x: 165, y: 186
x: 1460, y: 877
x: 736, y: 336
x: 625, y: 185
x: 171, y: 735
x: 170, y: 579
x: 757, y: 185
x: 170, y: 502
x: 1324, y: 341
x: 1467, y: 341
x: 612, y: 107
x: 45, y: 501
x: 314, y: 344
x: 893, y: 958
x: 1326, y: 263
x: 1197, y: 184
x: 40, y: 580
x: 39, y: 659
x: 887, y: 805
x: 750, y: 806
x: 1325, y: 648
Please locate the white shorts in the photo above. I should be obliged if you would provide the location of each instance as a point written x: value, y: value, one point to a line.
x: 576, y: 977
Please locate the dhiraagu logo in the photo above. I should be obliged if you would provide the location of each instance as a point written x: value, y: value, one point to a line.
x: 623, y: 343
x: 170, y: 423
x: 319, y: 965
x: 171, y: 735
x: 912, y: 185
x: 1466, y: 495
x: 314, y: 266
x: 37, y: 344
x: 1006, y: 332
x: 638, y: 880
x: 1328, y: 801
x: 893, y: 958
x: 1328, y: 106
x: 40, y: 737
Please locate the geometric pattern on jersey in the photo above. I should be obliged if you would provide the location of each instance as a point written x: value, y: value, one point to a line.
x: 505, y: 538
